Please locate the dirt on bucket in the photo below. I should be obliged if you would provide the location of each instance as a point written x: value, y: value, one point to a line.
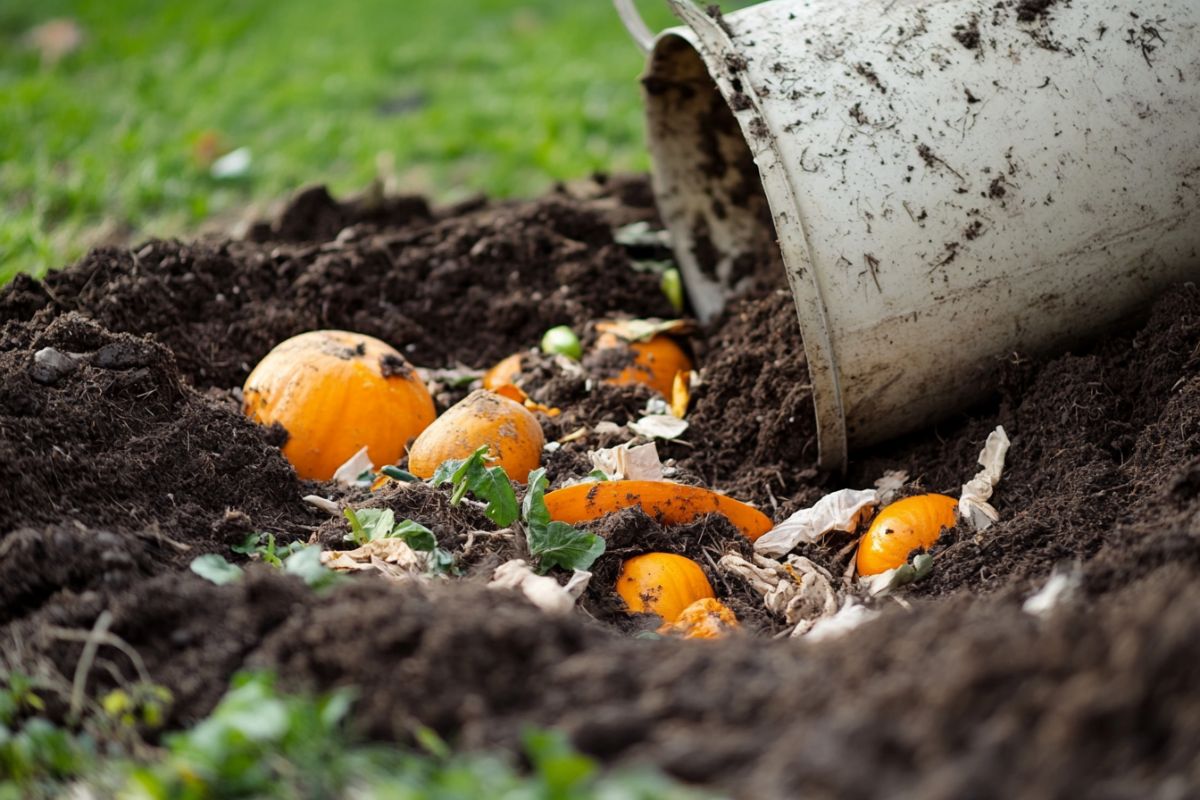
x: 124, y: 455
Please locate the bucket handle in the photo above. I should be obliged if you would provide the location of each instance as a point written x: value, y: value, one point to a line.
x: 685, y: 10
x: 637, y: 27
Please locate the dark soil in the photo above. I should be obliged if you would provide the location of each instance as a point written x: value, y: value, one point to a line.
x: 124, y: 454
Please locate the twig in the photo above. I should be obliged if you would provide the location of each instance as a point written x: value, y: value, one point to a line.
x: 91, y: 645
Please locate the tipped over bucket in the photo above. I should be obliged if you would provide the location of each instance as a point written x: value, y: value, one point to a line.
x: 946, y: 182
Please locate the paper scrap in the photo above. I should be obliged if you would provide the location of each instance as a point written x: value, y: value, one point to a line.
x: 659, y: 426
x: 348, y: 474
x: 848, y: 617
x: 1059, y: 588
x: 541, y: 590
x: 973, y: 503
x: 625, y: 462
x: 797, y: 589
x: 839, y: 511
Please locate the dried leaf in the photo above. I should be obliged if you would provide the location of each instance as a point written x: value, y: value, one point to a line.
x: 681, y: 394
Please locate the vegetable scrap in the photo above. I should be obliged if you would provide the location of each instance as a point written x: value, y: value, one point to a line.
x: 668, y: 503
x: 902, y: 527
x: 512, y: 434
x: 707, y: 618
x: 662, y: 583
x: 335, y: 392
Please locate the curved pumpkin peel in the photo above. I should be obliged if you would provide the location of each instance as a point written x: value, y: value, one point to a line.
x: 668, y: 503
x: 900, y: 528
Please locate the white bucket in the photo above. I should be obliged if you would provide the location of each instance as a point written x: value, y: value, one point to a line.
x: 949, y: 181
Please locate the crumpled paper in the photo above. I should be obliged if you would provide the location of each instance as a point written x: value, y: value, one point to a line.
x: 1059, y: 588
x: 659, y: 426
x: 848, y: 617
x: 541, y: 590
x: 393, y: 558
x: 838, y: 511
x: 626, y: 462
x: 347, y: 474
x: 973, y: 503
x: 797, y: 589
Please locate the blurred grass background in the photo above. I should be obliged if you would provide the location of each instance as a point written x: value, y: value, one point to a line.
x: 116, y: 139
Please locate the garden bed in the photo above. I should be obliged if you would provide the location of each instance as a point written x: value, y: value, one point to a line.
x: 119, y: 469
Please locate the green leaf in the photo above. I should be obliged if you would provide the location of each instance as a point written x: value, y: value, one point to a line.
x: 489, y: 484
x: 555, y: 544
x: 249, y: 545
x: 598, y: 475
x: 415, y: 535
x: 306, y: 564
x: 563, y: 545
x: 216, y: 569
x: 369, y: 524
x: 441, y: 561
x: 533, y: 506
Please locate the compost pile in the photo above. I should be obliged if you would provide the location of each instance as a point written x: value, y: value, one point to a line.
x: 127, y: 458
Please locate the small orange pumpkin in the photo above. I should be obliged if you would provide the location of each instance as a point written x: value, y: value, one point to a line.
x: 503, y: 372
x: 513, y: 435
x: 667, y: 503
x: 912, y: 523
x: 335, y: 392
x: 707, y: 618
x: 662, y: 583
x: 656, y: 360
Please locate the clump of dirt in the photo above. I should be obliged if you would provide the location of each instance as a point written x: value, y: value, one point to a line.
x: 98, y: 428
x: 511, y: 269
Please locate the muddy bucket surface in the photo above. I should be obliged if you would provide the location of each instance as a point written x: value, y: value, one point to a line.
x: 947, y: 182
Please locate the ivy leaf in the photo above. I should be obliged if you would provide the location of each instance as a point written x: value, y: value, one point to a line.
x: 489, y: 484
x: 555, y: 544
x: 415, y: 535
x: 216, y: 569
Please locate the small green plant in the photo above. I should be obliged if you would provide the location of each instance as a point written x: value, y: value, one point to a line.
x: 262, y: 546
x: 489, y: 484
x: 35, y: 754
x: 370, y: 524
x: 302, y: 561
x: 553, y: 543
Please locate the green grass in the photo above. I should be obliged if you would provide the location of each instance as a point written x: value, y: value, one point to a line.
x: 448, y: 97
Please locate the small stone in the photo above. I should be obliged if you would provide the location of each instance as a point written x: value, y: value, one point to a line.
x: 50, y: 366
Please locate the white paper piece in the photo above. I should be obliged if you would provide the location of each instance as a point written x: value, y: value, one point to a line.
x: 624, y: 462
x: 606, y: 427
x: 797, y: 589
x: 322, y: 503
x: 838, y: 511
x: 541, y: 590
x: 848, y: 617
x: 656, y: 407
x: 347, y: 474
x: 234, y: 164
x: 1059, y: 588
x: 973, y: 503
x: 659, y: 426
x: 890, y: 484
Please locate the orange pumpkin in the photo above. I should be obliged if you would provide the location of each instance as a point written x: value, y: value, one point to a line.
x: 668, y: 503
x: 904, y: 526
x: 513, y: 435
x: 662, y: 583
x: 503, y: 372
x: 708, y: 618
x: 336, y: 392
x: 656, y: 360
